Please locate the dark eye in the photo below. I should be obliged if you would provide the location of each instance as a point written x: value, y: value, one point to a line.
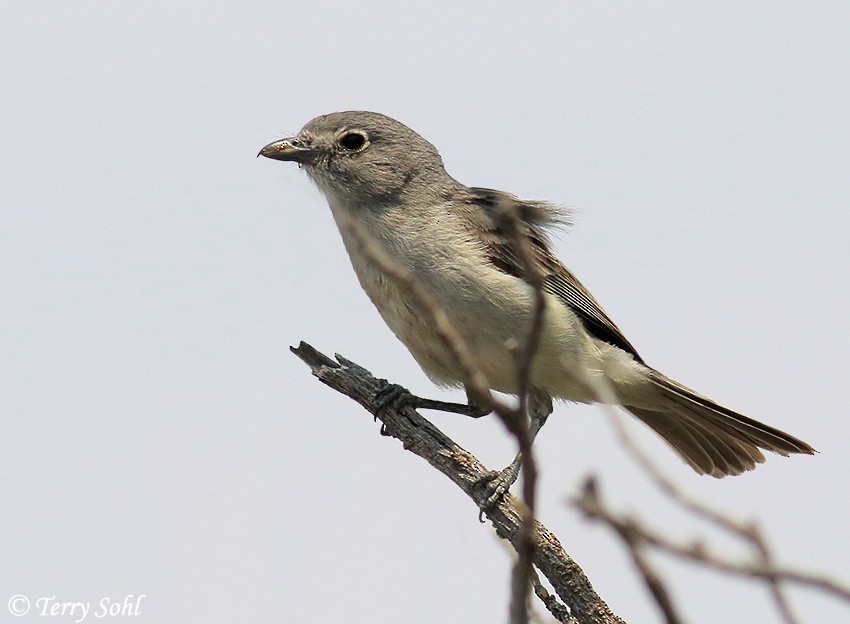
x: 352, y: 140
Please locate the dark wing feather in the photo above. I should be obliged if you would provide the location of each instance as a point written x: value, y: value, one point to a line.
x: 563, y: 284
x: 558, y: 280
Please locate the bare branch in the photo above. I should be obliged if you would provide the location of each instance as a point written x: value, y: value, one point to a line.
x: 636, y: 536
x: 421, y: 437
x: 524, y: 356
x: 676, y: 494
x: 747, y: 531
x: 558, y: 611
x: 766, y: 560
x: 632, y: 538
x: 657, y: 588
x: 591, y: 504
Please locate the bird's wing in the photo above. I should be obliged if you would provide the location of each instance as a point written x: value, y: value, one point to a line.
x: 534, y: 217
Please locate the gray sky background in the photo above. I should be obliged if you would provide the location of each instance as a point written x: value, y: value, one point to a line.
x: 158, y: 437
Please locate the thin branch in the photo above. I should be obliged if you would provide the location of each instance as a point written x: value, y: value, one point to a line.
x: 524, y: 357
x: 552, y: 604
x: 421, y: 437
x: 591, y: 504
x: 675, y: 493
x: 656, y: 587
x: 632, y: 538
x: 766, y: 560
x: 747, y: 531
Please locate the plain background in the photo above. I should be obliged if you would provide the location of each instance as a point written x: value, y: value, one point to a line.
x: 158, y: 438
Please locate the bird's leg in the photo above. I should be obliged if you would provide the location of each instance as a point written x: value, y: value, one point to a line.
x: 396, y: 394
x: 498, y: 483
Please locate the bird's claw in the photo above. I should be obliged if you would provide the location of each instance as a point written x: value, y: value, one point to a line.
x: 393, y: 394
x: 495, y: 485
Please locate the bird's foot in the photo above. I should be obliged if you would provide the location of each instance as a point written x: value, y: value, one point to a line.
x: 399, y: 396
x: 392, y: 395
x: 496, y: 484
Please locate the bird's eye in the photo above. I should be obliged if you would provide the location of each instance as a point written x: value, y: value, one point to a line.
x: 352, y: 141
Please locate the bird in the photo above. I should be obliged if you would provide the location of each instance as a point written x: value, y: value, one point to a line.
x: 453, y: 240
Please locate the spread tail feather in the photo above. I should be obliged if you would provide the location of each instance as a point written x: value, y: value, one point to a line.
x: 712, y: 439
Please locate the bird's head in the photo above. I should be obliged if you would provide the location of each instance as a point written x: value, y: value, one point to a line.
x: 362, y: 157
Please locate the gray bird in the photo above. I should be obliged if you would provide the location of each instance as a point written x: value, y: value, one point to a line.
x: 392, y: 182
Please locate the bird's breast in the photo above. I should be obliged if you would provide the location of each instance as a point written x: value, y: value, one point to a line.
x: 489, y: 310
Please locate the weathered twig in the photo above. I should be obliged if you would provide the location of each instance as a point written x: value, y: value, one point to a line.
x: 421, y: 437
x: 747, y: 531
x: 552, y: 604
x: 637, y: 550
x: 637, y: 536
x: 592, y: 505
x: 524, y: 356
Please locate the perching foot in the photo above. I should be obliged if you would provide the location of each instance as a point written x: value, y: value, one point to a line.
x: 497, y: 484
x: 402, y: 397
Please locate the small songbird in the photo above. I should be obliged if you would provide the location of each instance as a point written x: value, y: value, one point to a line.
x: 450, y: 237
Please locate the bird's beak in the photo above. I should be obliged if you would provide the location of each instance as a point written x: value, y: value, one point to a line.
x: 288, y: 149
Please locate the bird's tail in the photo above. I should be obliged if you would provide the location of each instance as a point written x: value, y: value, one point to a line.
x: 712, y: 439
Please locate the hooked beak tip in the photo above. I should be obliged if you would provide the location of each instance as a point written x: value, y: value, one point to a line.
x: 286, y: 149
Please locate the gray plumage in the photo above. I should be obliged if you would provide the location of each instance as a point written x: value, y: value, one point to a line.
x: 392, y: 182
